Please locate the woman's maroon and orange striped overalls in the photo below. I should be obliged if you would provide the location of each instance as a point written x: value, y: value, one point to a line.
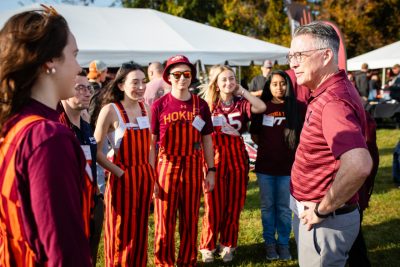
x: 127, y: 198
x: 180, y: 175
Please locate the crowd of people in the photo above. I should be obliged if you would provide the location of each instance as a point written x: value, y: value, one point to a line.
x: 78, y: 156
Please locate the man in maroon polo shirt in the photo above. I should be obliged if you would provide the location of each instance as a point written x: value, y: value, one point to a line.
x: 332, y: 160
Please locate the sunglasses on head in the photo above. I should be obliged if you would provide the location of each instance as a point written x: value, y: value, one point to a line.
x: 177, y: 74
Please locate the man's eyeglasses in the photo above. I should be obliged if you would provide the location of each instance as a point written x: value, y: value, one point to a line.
x: 177, y: 74
x: 81, y: 88
x: 301, y: 56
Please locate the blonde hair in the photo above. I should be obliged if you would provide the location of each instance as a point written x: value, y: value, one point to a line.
x: 209, y: 91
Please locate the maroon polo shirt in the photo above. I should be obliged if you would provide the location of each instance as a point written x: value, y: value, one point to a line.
x: 49, y: 166
x: 168, y: 109
x: 334, y: 124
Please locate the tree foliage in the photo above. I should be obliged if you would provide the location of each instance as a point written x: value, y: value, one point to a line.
x: 365, y: 24
x: 265, y: 20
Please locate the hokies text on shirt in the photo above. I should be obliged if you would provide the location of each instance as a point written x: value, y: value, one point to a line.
x: 177, y: 116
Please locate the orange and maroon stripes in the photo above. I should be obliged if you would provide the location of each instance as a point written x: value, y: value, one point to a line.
x: 180, y: 181
x: 14, y: 247
x: 128, y: 200
x: 181, y: 136
x: 88, y: 204
x: 224, y: 204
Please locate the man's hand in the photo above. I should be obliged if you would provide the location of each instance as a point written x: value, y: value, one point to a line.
x: 209, y: 182
x: 308, y: 216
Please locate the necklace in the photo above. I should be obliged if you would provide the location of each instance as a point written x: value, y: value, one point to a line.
x: 227, y: 103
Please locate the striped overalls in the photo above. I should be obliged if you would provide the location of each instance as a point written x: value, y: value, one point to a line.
x: 127, y: 198
x: 224, y: 204
x: 15, y: 249
x: 180, y: 175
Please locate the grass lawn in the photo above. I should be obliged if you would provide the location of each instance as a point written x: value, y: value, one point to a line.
x: 381, y: 225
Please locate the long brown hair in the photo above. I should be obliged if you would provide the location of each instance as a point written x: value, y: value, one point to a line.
x: 27, y: 41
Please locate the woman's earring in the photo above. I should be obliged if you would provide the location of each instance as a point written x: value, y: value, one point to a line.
x: 51, y: 71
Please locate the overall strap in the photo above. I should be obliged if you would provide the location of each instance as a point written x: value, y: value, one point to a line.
x: 196, y: 105
x: 143, y: 108
x: 14, y: 131
x: 122, y: 111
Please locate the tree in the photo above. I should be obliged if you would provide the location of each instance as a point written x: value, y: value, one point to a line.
x: 365, y: 24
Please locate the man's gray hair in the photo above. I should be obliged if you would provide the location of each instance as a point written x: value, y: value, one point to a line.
x: 324, y: 34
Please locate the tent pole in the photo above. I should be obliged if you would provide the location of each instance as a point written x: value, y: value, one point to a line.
x: 383, y: 78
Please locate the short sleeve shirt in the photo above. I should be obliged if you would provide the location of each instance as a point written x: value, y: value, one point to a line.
x: 334, y: 124
x: 273, y: 155
x: 257, y: 83
x: 168, y: 109
x: 238, y: 115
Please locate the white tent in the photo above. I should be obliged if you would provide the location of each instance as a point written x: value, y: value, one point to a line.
x: 117, y: 35
x: 384, y: 57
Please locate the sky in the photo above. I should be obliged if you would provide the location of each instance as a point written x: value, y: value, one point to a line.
x: 14, y: 4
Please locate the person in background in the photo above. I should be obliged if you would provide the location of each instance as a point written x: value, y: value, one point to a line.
x: 374, y: 87
x: 276, y: 132
x: 156, y: 86
x: 182, y: 127
x: 394, y: 84
x: 352, y: 79
x: 97, y: 76
x: 41, y: 218
x: 231, y: 107
x: 358, y: 256
x: 362, y: 79
x: 71, y: 110
x: 257, y: 83
x: 330, y: 167
x: 124, y: 121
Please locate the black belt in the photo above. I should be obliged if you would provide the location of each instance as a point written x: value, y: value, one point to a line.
x: 345, y: 209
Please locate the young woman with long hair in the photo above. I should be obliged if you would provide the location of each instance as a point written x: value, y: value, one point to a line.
x: 124, y: 121
x: 41, y: 162
x: 276, y: 132
x: 231, y: 107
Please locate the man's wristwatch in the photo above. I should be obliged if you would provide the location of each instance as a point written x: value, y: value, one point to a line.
x: 319, y: 215
x: 211, y: 169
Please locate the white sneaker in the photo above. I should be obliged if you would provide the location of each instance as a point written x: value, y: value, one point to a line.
x: 207, y: 255
x: 226, y: 253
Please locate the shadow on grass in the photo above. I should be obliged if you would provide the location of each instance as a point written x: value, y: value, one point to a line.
x: 383, y: 243
x: 386, y: 151
x: 252, y: 196
x: 383, y: 181
x: 254, y: 255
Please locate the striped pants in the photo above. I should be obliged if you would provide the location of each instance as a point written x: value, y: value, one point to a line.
x: 180, y: 180
x: 224, y: 204
x: 127, y: 202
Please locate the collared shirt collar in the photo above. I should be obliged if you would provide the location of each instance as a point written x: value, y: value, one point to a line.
x: 341, y: 74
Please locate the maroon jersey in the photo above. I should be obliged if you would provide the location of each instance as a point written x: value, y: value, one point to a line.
x: 236, y: 115
x: 168, y: 110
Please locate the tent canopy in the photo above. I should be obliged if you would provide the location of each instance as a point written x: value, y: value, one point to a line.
x: 384, y: 57
x: 117, y: 35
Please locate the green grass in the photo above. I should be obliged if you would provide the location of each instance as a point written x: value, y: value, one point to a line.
x: 381, y: 225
